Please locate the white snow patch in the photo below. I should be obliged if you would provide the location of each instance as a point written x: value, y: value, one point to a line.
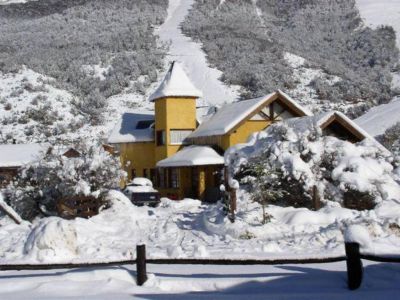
x: 16, y: 155
x: 357, y: 234
x: 378, y: 119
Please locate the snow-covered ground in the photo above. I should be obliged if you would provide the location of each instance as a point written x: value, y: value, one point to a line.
x: 380, y: 118
x: 190, y: 229
x: 306, y: 94
x: 308, y: 282
x: 192, y: 57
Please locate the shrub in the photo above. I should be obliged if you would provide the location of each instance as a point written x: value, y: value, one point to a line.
x: 292, y: 163
x: 42, y: 183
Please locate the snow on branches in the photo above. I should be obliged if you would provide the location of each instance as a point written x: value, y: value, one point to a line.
x: 53, y: 176
x: 357, y: 175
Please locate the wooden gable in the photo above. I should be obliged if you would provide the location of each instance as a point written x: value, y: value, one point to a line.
x: 338, y: 127
x: 276, y: 108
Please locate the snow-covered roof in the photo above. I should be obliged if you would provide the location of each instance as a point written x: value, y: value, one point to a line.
x: 176, y: 84
x: 192, y: 156
x: 16, y: 155
x: 127, y: 131
x: 228, y: 116
x: 305, y: 123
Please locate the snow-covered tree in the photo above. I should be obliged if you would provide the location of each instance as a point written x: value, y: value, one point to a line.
x: 54, y: 176
x: 391, y: 139
x: 266, y: 186
x: 301, y: 160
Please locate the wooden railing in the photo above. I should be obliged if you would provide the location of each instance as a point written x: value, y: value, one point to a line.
x: 353, y: 262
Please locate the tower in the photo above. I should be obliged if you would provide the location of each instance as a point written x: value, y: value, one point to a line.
x: 175, y: 111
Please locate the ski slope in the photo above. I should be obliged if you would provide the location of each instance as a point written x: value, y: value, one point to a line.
x: 192, y: 57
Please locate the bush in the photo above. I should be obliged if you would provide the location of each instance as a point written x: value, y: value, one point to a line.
x: 391, y: 139
x: 296, y: 162
x: 53, y: 176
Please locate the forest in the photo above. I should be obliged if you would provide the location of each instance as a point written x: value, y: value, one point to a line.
x: 93, y: 48
x: 248, y: 39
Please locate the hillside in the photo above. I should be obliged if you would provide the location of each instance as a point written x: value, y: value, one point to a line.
x: 90, y: 50
x: 92, y: 69
x: 375, y: 14
x: 248, y: 42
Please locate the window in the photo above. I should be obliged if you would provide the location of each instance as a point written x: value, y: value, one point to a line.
x: 160, y: 137
x: 173, y: 175
x: 144, y: 124
x: 178, y: 137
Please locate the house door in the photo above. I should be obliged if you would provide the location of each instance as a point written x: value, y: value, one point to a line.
x: 195, y: 182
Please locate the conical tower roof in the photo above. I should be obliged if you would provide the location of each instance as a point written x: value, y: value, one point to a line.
x: 176, y: 84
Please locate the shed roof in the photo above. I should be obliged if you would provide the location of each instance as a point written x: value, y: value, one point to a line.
x: 230, y: 115
x: 192, y: 156
x: 176, y: 83
x: 16, y: 155
x: 126, y: 131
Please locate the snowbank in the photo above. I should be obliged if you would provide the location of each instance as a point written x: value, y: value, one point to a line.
x: 52, y: 240
x: 190, y: 229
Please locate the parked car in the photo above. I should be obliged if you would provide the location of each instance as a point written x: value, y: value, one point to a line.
x: 141, y: 192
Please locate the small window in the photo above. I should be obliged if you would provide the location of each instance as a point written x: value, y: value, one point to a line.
x: 160, y: 137
x: 144, y: 124
x: 179, y: 137
x: 173, y: 178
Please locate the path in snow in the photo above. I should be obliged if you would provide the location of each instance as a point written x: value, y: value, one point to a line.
x: 192, y: 57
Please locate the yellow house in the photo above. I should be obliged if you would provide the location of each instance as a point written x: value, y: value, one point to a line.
x: 181, y: 155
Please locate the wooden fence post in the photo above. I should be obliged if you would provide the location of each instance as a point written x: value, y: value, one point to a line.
x: 354, y: 265
x: 316, y: 198
x: 141, y: 264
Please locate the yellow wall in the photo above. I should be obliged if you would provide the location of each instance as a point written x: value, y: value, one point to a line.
x: 242, y: 133
x: 173, y: 113
x: 140, y: 155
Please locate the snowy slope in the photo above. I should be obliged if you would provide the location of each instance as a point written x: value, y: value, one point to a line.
x: 192, y: 57
x: 5, y: 2
x: 382, y: 12
x: 376, y: 13
x: 380, y: 118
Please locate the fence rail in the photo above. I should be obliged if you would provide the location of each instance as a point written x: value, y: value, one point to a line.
x: 353, y: 262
